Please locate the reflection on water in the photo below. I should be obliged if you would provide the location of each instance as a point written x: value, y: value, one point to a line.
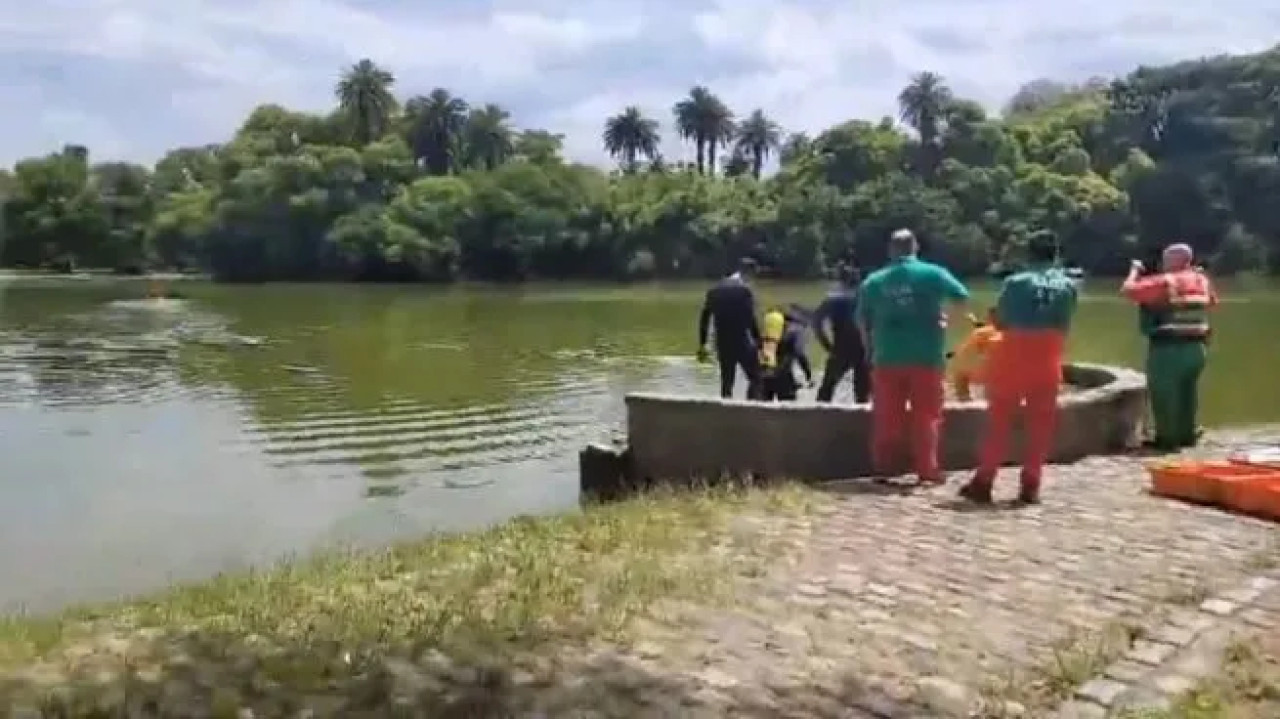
x: 145, y: 441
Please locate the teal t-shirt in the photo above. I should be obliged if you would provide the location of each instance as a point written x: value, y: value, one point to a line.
x: 1037, y: 299
x: 902, y: 306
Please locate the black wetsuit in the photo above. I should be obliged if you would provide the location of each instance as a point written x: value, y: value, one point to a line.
x: 731, y: 307
x: 780, y: 383
x: 845, y: 352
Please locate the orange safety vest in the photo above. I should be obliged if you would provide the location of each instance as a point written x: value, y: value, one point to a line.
x: 1184, y: 312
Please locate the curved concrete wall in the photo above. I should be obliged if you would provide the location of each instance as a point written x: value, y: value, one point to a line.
x: 680, y: 436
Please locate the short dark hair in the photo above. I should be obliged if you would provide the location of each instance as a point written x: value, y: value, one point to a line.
x: 848, y: 273
x: 1042, y: 246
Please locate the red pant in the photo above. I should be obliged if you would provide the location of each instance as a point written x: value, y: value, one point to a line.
x: 906, y: 404
x: 1038, y: 401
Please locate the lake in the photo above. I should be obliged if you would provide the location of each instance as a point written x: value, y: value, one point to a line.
x: 145, y: 443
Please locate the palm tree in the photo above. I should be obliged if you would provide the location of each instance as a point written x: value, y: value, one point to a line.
x: 707, y: 121
x: 757, y: 137
x: 922, y: 104
x: 488, y: 139
x: 630, y: 135
x: 435, y: 126
x: 364, y: 96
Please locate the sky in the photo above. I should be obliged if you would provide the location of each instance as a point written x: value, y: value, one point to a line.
x: 133, y: 78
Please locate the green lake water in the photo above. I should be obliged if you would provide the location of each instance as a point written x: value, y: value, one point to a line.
x: 144, y: 443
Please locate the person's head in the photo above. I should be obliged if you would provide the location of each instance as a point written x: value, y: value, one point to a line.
x: 746, y: 267
x: 903, y: 243
x: 848, y: 274
x: 1042, y: 247
x: 1177, y: 256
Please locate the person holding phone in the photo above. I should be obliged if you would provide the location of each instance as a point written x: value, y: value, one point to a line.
x: 1174, y: 305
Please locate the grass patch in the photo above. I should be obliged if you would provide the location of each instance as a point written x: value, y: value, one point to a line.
x: 1070, y: 663
x: 1247, y: 688
x: 305, y: 625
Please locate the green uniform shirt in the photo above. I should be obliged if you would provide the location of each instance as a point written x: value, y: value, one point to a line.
x: 902, y: 306
x: 1037, y: 299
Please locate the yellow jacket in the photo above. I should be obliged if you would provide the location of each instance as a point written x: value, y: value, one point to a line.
x: 970, y: 357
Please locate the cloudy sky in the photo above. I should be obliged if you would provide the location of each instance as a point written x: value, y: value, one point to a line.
x: 131, y: 78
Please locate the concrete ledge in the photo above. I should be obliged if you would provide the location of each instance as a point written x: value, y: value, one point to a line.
x: 673, y: 437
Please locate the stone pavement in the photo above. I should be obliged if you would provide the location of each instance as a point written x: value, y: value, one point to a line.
x: 916, y: 605
x: 897, y: 604
x: 1186, y: 650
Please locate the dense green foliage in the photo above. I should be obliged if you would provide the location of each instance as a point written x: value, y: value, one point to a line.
x: 435, y: 189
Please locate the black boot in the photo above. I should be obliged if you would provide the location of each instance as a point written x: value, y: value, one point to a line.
x: 976, y: 491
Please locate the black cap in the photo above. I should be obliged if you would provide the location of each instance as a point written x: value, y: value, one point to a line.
x: 1042, y: 246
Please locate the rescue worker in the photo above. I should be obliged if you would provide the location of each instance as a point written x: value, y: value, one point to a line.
x: 730, y: 306
x: 969, y: 361
x: 901, y: 310
x: 781, y: 349
x: 845, y: 351
x: 1174, y: 307
x: 1024, y: 370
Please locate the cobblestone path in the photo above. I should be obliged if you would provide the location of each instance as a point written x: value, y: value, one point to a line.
x: 892, y: 603
x: 915, y: 605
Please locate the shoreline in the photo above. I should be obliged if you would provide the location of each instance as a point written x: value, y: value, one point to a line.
x: 528, y: 582
x: 695, y: 591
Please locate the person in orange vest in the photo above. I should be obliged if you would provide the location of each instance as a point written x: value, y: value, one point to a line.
x: 1174, y: 307
x: 1024, y: 371
x: 969, y: 360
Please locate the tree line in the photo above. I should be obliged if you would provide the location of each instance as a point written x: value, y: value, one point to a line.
x: 436, y: 189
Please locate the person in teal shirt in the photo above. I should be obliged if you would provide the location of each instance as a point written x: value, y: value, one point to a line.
x: 1024, y: 371
x: 902, y: 314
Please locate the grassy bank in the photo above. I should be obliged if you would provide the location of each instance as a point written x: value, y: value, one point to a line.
x: 1248, y: 686
x: 327, y: 626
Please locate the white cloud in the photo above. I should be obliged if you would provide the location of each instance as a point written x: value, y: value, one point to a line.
x: 136, y: 76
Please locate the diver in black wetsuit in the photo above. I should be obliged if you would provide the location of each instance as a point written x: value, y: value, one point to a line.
x: 779, y: 381
x: 845, y: 349
x: 731, y: 307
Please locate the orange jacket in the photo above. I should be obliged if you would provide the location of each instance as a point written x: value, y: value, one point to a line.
x: 973, y: 355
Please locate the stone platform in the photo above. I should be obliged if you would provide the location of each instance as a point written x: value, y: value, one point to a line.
x: 679, y: 437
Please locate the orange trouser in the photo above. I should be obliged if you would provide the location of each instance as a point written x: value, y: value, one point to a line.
x: 1024, y: 378
x: 906, y: 414
x: 1039, y: 408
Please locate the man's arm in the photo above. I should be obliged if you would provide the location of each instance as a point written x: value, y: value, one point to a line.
x: 953, y: 289
x: 802, y: 359
x: 820, y: 316
x: 1143, y: 290
x: 862, y: 314
x: 753, y: 318
x: 704, y: 320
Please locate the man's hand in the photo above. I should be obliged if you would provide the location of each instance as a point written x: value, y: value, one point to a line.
x: 1136, y: 267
